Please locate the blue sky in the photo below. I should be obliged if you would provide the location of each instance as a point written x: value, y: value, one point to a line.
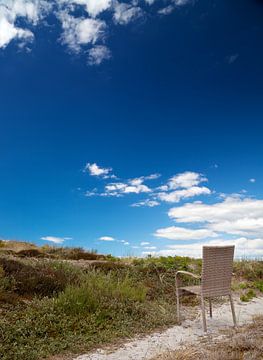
x: 132, y: 127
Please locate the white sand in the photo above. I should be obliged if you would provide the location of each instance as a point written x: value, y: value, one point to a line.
x: 173, y: 338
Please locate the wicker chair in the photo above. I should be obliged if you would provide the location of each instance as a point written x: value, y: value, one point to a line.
x: 215, y: 279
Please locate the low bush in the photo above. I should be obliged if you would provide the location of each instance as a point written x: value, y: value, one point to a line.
x: 248, y: 295
x: 100, y: 309
x: 29, y: 253
x: 40, y: 279
x: 99, y: 291
x: 249, y: 270
x: 68, y: 253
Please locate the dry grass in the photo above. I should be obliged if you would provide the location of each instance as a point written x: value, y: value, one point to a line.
x: 245, y: 343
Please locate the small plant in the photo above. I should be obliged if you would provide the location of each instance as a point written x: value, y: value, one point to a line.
x: 248, y: 295
x: 259, y: 285
x: 243, y: 285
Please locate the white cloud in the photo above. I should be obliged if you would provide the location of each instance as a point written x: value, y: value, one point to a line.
x: 181, y: 2
x: 98, y: 54
x: 180, y: 233
x: 134, y: 186
x: 234, y: 215
x: 80, y: 31
x: 12, y: 10
x: 177, y: 195
x: 9, y: 32
x: 106, y: 238
x: 243, y: 248
x: 150, y: 2
x: 91, y: 193
x: 55, y: 240
x: 94, y: 7
x: 125, y: 13
x: 143, y: 243
x: 148, y: 203
x: 124, y: 242
x: 252, y: 180
x: 150, y: 247
x: 166, y: 10
x: 152, y: 176
x: 186, y: 180
x: 95, y: 170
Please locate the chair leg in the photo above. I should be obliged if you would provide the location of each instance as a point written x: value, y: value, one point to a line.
x: 233, y: 310
x: 210, y: 307
x: 203, y: 313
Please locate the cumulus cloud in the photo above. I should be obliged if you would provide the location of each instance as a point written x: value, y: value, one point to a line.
x: 180, y: 233
x: 186, y: 180
x: 252, y: 180
x: 12, y: 10
x: 55, y: 240
x: 96, y: 170
x: 84, y: 26
x: 238, y: 216
x: 181, y: 186
x: 238, y: 219
x: 80, y: 31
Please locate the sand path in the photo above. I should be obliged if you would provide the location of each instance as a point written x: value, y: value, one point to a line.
x: 171, y: 339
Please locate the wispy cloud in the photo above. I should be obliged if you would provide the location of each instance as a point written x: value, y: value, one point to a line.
x: 180, y: 233
x: 244, y: 247
x: 232, y: 58
x: 55, y: 239
x: 98, y: 54
x: 178, y: 195
x: 106, y: 238
x: 146, y: 203
x: 124, y: 13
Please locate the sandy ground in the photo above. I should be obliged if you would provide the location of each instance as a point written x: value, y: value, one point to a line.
x: 175, y: 337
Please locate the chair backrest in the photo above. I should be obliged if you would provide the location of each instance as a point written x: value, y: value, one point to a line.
x: 217, y: 270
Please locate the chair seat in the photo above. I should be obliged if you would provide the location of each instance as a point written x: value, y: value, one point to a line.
x: 196, y: 289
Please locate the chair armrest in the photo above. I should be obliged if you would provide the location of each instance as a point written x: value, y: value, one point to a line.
x: 187, y: 273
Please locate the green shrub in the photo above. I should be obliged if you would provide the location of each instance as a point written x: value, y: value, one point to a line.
x: 68, y: 253
x: 259, y: 285
x: 99, y: 310
x: 247, y: 296
x: 99, y: 291
x: 243, y: 285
